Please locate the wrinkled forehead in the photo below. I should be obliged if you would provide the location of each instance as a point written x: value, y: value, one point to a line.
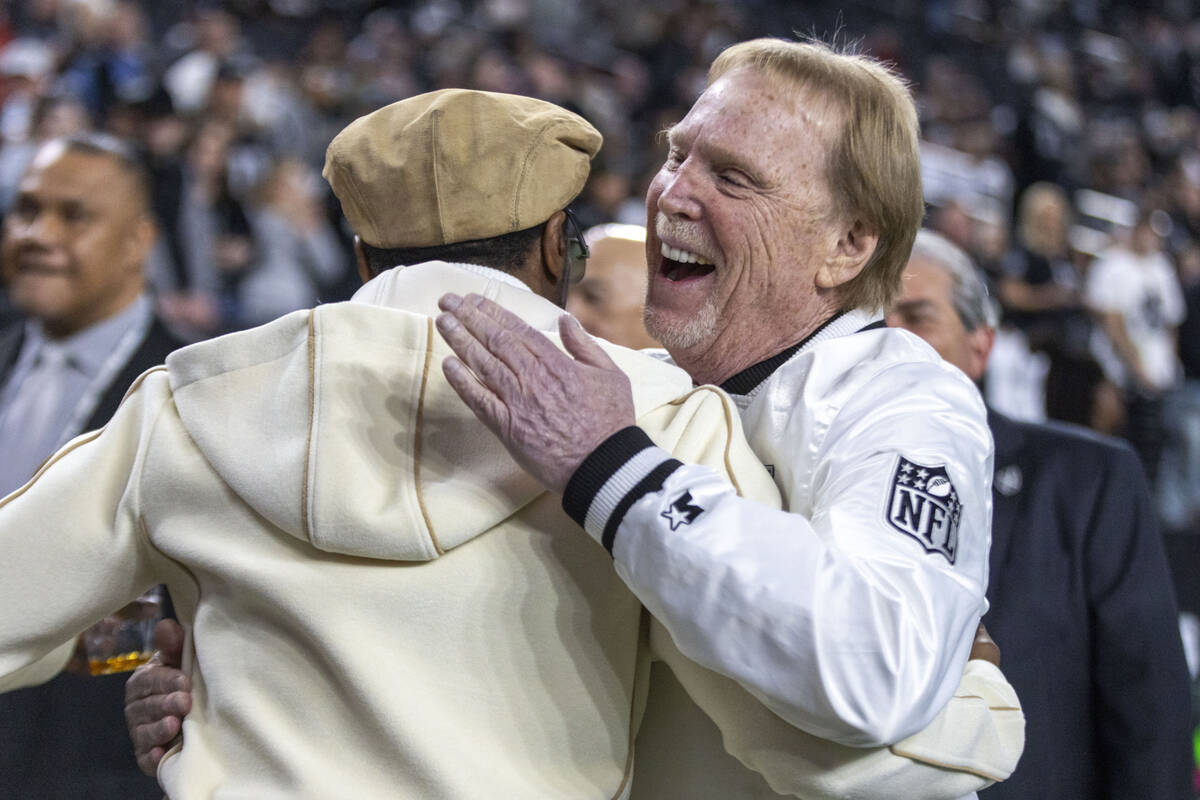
x: 749, y: 109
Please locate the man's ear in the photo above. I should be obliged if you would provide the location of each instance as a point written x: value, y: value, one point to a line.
x: 979, y: 347
x: 145, y: 231
x: 554, y: 249
x: 853, y: 250
x: 365, y: 273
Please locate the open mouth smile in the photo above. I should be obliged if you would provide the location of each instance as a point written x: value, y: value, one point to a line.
x: 680, y: 265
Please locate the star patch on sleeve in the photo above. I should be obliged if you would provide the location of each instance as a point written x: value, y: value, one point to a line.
x: 923, y: 503
x: 682, y: 511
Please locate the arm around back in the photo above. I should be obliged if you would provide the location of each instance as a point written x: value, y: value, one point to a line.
x: 975, y: 741
x: 78, y: 516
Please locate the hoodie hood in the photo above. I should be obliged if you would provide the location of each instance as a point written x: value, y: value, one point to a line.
x: 338, y: 427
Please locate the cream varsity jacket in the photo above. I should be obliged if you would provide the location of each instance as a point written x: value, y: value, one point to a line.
x: 379, y: 603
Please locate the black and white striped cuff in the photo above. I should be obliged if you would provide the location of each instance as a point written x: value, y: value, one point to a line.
x: 623, y: 469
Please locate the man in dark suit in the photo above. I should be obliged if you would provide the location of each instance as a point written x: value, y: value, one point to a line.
x: 1080, y: 594
x: 72, y: 265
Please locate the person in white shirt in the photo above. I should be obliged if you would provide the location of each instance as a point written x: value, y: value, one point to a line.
x: 777, y: 231
x: 1133, y: 292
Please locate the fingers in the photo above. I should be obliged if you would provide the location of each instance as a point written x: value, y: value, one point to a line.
x: 155, y: 679
x: 150, y: 742
x: 503, y: 334
x: 154, y: 721
x: 531, y: 338
x: 582, y: 346
x: 479, y: 398
x: 497, y: 374
x: 983, y: 647
x: 148, y: 762
x: 157, y: 697
x: 498, y: 314
x: 168, y: 641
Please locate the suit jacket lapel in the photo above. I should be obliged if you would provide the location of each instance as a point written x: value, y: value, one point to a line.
x: 151, y: 351
x: 1008, y: 492
x: 10, y: 347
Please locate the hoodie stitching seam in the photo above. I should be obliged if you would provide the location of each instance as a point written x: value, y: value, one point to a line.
x: 970, y: 769
x: 305, y: 520
x: 416, y: 449
x: 140, y: 458
x: 643, y: 635
x: 75, y: 444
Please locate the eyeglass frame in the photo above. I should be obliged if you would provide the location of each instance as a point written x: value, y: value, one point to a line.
x: 575, y: 262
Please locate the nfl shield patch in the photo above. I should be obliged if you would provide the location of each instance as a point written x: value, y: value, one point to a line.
x: 924, y: 504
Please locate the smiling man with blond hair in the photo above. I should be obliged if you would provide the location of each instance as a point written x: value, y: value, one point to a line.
x: 778, y: 230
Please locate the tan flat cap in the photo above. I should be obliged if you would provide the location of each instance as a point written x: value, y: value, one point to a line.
x: 457, y: 165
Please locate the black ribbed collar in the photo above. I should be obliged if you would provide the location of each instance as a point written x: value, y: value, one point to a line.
x: 751, y: 377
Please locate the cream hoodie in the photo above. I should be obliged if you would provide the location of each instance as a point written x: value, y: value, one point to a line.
x: 315, y: 495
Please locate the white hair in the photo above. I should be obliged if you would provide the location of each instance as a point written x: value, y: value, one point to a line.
x: 971, y: 299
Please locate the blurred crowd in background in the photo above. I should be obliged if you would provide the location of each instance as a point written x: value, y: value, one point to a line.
x: 1061, y: 149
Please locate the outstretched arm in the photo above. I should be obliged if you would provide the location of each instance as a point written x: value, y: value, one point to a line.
x: 78, y: 516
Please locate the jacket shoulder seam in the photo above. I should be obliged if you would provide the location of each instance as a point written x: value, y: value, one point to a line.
x: 429, y: 339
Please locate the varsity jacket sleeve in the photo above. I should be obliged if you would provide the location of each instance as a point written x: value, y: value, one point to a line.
x: 853, y: 623
x: 73, y: 543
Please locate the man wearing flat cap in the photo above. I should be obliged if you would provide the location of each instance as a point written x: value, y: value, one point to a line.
x: 362, y: 569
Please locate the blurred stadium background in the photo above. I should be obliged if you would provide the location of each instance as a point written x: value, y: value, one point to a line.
x: 1050, y: 128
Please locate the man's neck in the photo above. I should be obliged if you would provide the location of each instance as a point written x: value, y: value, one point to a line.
x: 732, y: 352
x: 516, y: 279
x: 62, y: 330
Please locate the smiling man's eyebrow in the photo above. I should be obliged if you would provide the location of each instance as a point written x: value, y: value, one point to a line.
x: 723, y: 157
x: 719, y: 155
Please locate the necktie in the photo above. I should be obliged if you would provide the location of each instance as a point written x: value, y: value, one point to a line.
x: 32, y: 425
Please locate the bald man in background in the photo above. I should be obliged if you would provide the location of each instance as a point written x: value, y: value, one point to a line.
x: 608, y: 302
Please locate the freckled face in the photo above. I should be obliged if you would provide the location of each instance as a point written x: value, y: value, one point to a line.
x: 745, y: 189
